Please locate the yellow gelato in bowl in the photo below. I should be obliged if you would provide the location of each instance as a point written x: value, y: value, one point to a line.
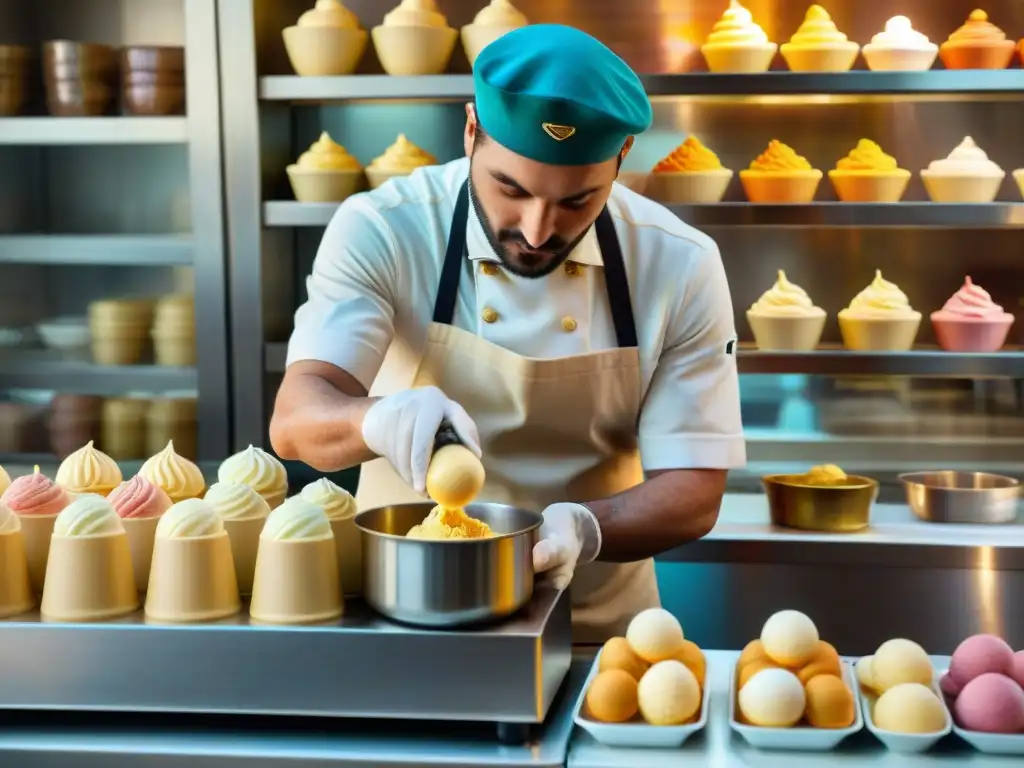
x: 900, y: 48
x: 780, y: 175
x: 818, y: 45
x: 691, y: 173
x: 737, y: 43
x: 492, y: 21
x: 325, y: 173
x: 785, y: 318
x: 868, y: 175
x: 443, y: 523
x: 414, y: 39
x: 326, y: 40
x: 879, y: 319
x: 400, y: 159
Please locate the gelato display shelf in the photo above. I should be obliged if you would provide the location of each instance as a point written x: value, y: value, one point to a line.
x: 97, y: 250
x: 77, y: 374
x: 361, y: 666
x: 979, y: 83
x: 90, y: 131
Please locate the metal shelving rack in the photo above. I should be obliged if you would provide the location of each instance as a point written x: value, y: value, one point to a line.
x: 202, y: 249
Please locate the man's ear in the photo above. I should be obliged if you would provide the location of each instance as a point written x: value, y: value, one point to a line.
x: 626, y: 147
x: 469, y: 133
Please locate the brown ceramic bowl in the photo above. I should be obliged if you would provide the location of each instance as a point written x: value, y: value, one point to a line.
x: 155, y: 99
x: 64, y: 59
x: 153, y: 58
x: 14, y: 60
x: 78, y: 98
x: 159, y: 77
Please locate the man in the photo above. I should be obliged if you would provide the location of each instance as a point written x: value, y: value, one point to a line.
x: 575, y: 334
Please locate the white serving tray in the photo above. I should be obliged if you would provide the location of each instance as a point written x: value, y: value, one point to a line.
x: 640, y: 734
x: 904, y: 742
x: 800, y: 737
x: 989, y: 743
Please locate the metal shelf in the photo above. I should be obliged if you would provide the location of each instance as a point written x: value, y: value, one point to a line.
x: 835, y: 361
x: 43, y: 369
x: 288, y: 213
x: 444, y: 87
x: 93, y: 130
x: 110, y: 250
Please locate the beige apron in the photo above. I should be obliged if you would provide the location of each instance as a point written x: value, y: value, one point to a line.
x: 551, y: 430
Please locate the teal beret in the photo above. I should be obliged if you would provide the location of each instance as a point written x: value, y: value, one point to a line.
x: 556, y: 95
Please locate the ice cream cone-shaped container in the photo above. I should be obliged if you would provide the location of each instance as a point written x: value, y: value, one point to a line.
x: 15, y: 592
x: 244, y: 513
x: 497, y: 18
x: 868, y: 175
x: 900, y: 48
x: 88, y: 470
x: 326, y: 40
x: 140, y: 503
x: 780, y: 175
x: 175, y: 475
x: 37, y: 501
x: 966, y: 175
x: 192, y: 577
x: 340, y: 507
x: 879, y: 319
x: 978, y: 44
x: 89, y: 570
x: 259, y: 470
x: 691, y: 174
x: 818, y: 46
x: 971, y: 322
x: 737, y: 44
x: 785, y: 318
x: 297, y: 579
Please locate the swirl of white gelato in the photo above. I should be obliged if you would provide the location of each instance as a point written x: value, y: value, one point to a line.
x: 88, y: 515
x: 236, y: 501
x: 257, y: 468
x: 335, y: 501
x: 296, y: 519
x: 899, y: 34
x: 500, y: 13
x: 189, y: 519
x: 329, y: 13
x: 968, y: 159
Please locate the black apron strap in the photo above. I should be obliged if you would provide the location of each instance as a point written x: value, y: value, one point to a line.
x: 614, y: 271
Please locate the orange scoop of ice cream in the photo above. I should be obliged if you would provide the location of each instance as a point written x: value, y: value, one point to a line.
x: 867, y: 156
x: 977, y: 29
x: 690, y: 156
x: 779, y: 157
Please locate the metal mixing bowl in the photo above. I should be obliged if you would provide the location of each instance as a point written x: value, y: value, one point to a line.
x: 962, y: 497
x: 447, y: 583
x: 841, y: 508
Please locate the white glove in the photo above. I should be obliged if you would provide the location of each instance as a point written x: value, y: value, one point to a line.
x: 569, y: 536
x: 402, y: 427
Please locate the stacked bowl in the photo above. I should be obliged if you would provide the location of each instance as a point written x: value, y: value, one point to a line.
x: 119, y: 330
x: 154, y: 79
x: 80, y: 78
x: 14, y: 78
x: 174, y: 331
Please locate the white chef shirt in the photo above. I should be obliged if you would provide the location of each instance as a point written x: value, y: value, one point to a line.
x: 377, y: 271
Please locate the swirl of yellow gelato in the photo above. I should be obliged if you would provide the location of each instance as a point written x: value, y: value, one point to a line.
x: 88, y: 515
x: 189, y: 519
x: 402, y: 157
x: 297, y: 519
x: 329, y: 13
x: 178, y: 477
x: 257, y: 468
x: 825, y: 474
x: 817, y: 31
x: 785, y: 299
x: 881, y: 299
x: 867, y: 156
x: 236, y: 501
x: 415, y: 13
x: 500, y: 13
x: 89, y: 470
x: 977, y: 29
x: 690, y: 156
x: 336, y: 502
x: 326, y: 155
x: 444, y: 523
x: 779, y: 157
x: 736, y: 28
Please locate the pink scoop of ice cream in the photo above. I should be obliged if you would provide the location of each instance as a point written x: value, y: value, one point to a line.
x: 978, y: 655
x: 35, y: 495
x: 1017, y: 672
x: 971, y: 322
x: 972, y: 301
x: 949, y: 686
x: 138, y: 498
x: 992, y: 703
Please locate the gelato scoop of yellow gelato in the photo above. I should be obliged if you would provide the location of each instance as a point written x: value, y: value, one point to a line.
x: 881, y: 299
x: 329, y: 13
x: 779, y: 158
x: 736, y: 28
x: 867, y: 156
x: 257, y: 468
x: 178, y: 477
x: 325, y: 154
x: 89, y: 470
x: 236, y: 501
x: 189, y: 519
x: 500, y: 13
x: 415, y: 13
x: 785, y: 299
x: 825, y: 474
x: 297, y: 519
x: 817, y: 30
x: 977, y: 29
x: 88, y: 515
x: 688, y: 157
x: 402, y: 157
x: 336, y: 502
x: 443, y: 523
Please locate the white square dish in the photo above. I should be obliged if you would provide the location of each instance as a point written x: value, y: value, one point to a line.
x: 907, y: 743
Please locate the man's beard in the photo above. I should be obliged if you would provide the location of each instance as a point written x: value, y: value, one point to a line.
x: 522, y: 266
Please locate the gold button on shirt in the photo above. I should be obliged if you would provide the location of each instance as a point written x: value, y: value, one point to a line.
x: 568, y: 324
x: 572, y: 269
x: 489, y: 315
x: 489, y: 268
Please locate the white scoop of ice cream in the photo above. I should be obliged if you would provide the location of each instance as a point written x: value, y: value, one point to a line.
x: 968, y: 159
x: 88, y: 515
x: 500, y: 13
x: 415, y: 13
x: 899, y: 34
x: 297, y: 519
x: 189, y: 519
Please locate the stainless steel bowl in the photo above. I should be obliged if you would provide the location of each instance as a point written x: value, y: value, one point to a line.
x: 962, y: 497
x: 447, y: 583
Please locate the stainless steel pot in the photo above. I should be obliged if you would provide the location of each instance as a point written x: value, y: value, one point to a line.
x: 962, y: 497
x: 447, y: 583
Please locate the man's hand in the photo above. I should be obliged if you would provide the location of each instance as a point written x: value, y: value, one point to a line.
x: 402, y: 427
x: 569, y: 536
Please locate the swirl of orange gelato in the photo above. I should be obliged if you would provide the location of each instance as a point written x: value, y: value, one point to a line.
x: 867, y: 156
x: 689, y: 157
x: 977, y: 29
x: 736, y: 28
x: 779, y: 158
x: 818, y: 30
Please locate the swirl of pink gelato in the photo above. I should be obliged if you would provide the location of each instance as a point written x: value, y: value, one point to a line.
x: 139, y: 498
x: 35, y: 495
x: 973, y: 301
